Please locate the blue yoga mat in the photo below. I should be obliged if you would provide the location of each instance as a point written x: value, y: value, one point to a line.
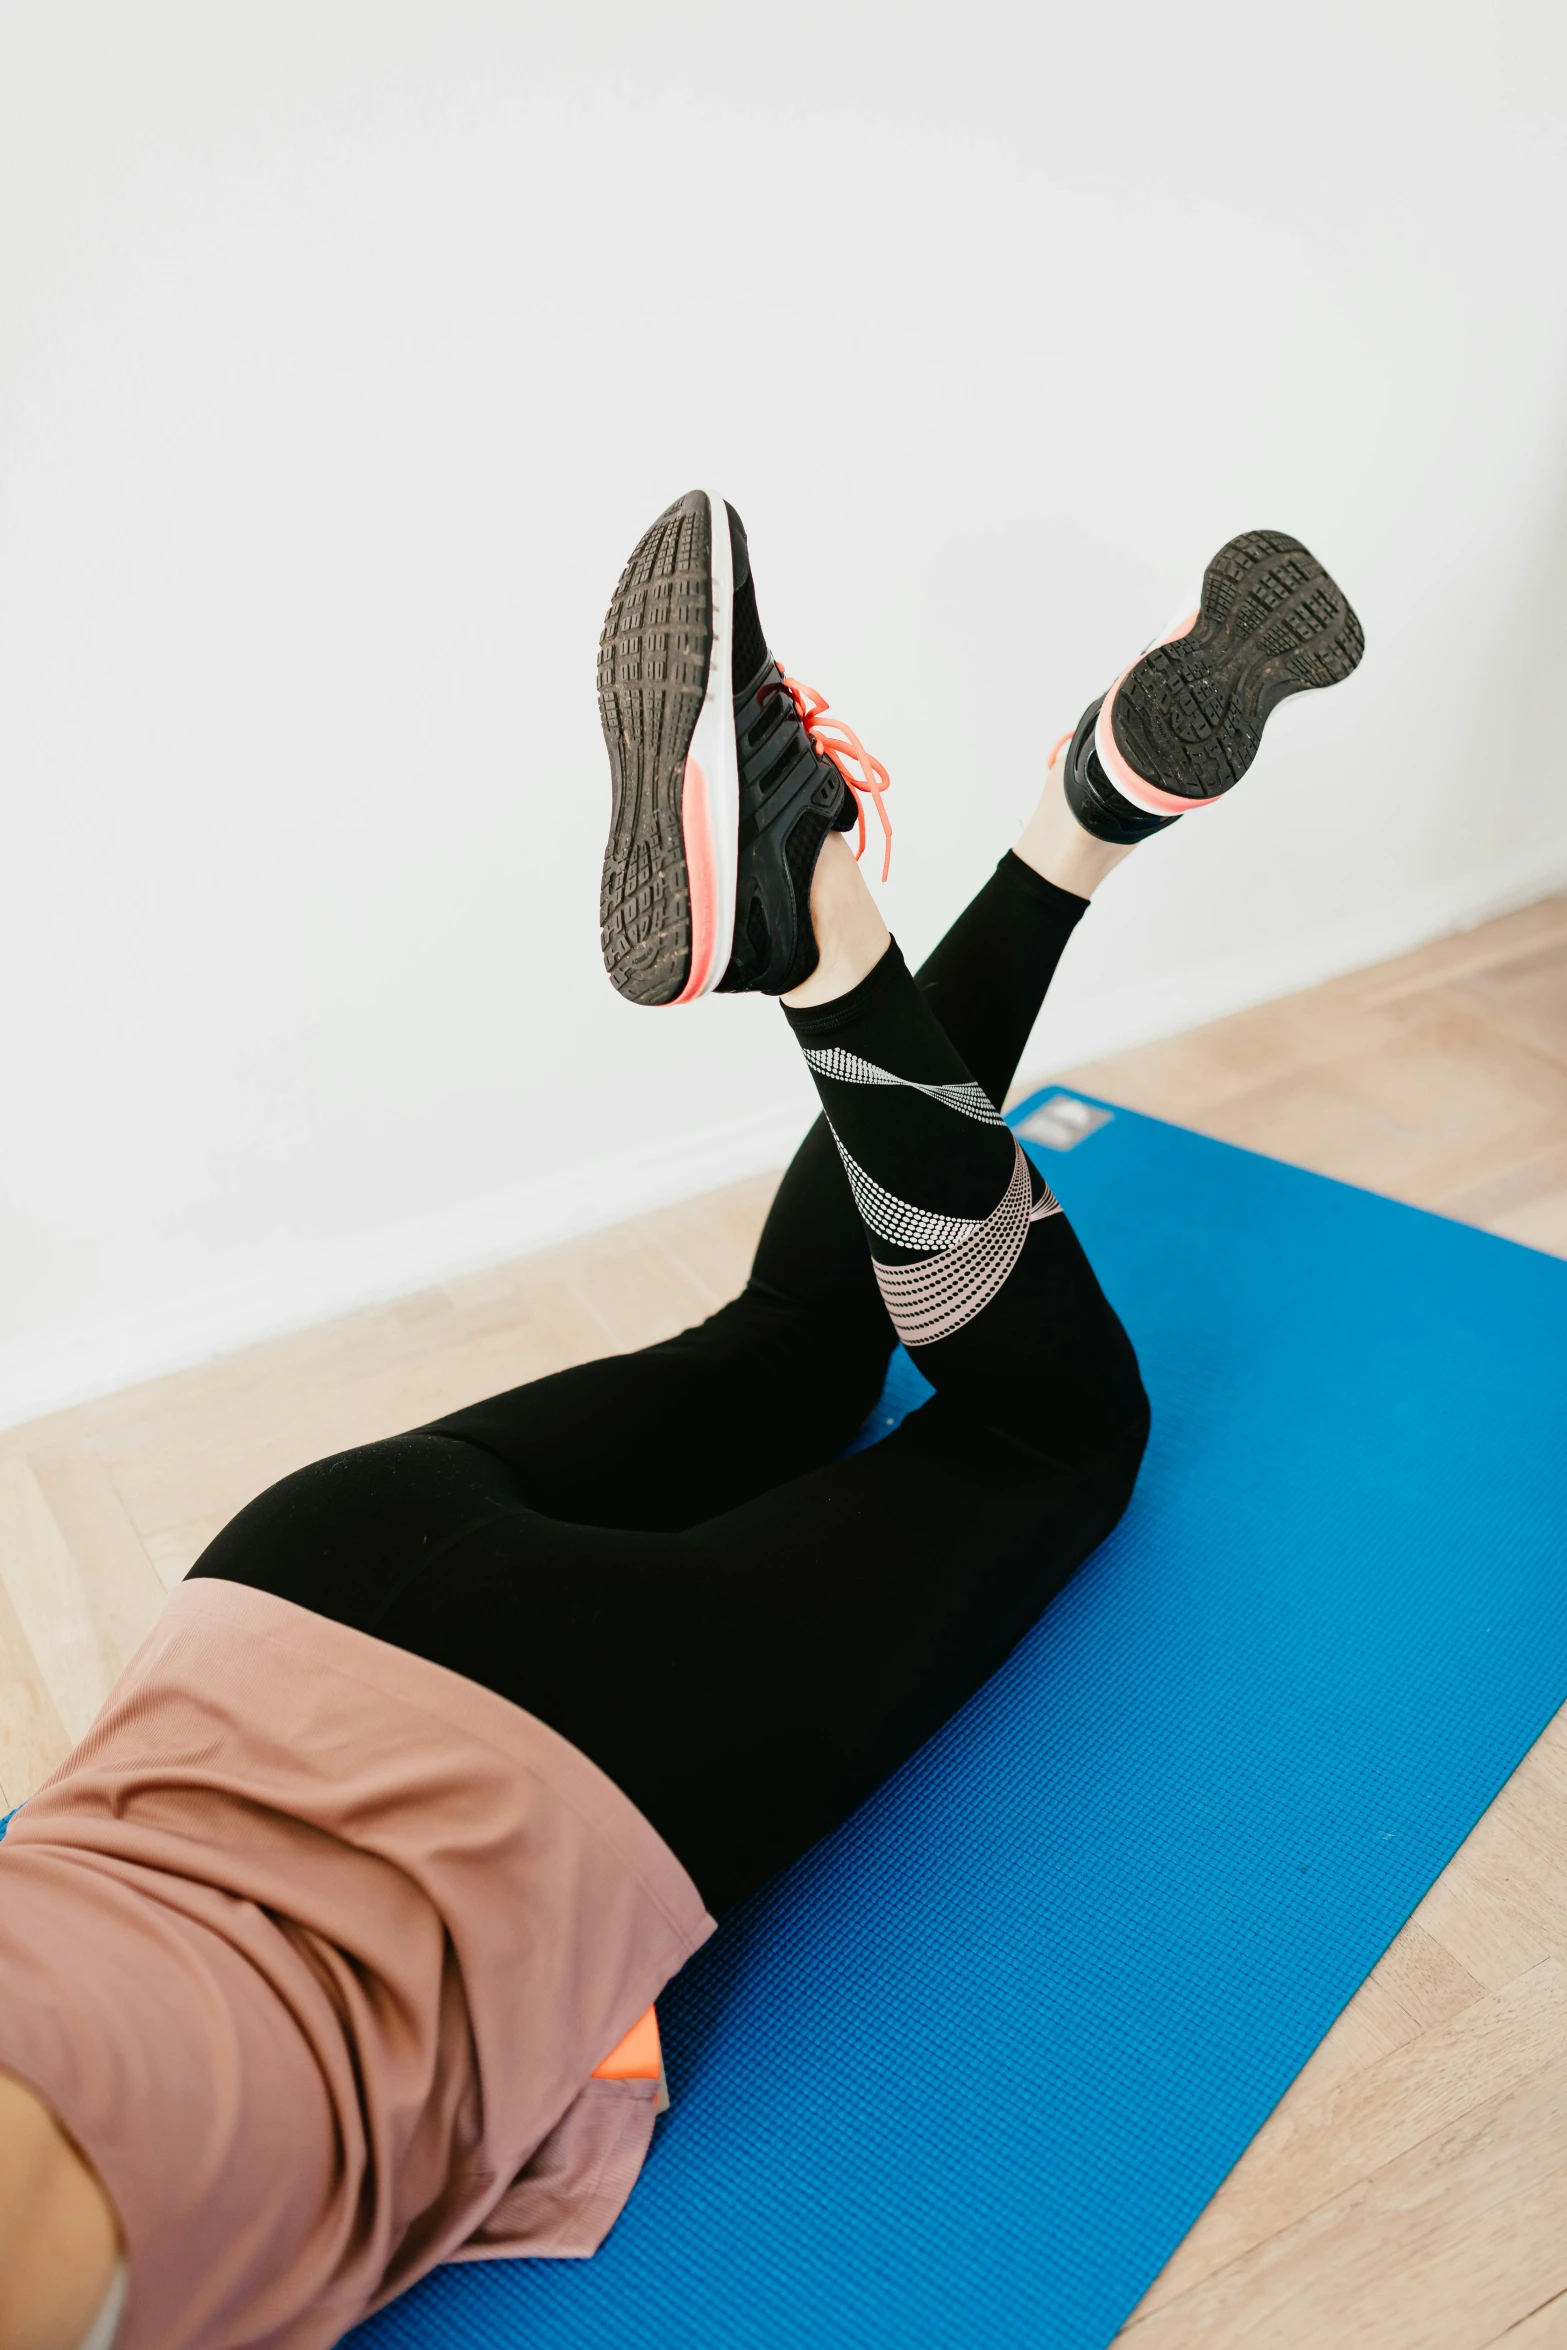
x: 968, y: 2073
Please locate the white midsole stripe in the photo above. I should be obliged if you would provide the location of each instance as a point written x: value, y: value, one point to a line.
x: 713, y: 747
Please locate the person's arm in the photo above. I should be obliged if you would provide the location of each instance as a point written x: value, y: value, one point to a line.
x: 59, y: 2238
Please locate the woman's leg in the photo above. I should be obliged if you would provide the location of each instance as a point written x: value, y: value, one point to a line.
x: 749, y: 1679
x: 671, y: 1434
x: 664, y: 1438
x: 773, y: 1385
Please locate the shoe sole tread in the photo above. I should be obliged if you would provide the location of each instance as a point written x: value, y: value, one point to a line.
x: 1189, y: 715
x: 652, y: 674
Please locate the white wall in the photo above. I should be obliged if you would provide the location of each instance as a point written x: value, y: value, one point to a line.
x: 347, y: 345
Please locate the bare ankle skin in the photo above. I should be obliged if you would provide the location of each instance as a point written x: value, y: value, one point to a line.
x: 851, y: 936
x: 1057, y: 847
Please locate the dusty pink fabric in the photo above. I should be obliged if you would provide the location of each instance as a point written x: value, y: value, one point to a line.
x: 313, y: 1947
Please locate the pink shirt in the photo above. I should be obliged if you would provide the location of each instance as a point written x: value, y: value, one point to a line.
x: 313, y: 1947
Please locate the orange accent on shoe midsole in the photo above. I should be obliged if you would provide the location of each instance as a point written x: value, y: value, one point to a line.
x: 1127, y: 781
x: 701, y: 880
x: 638, y: 2057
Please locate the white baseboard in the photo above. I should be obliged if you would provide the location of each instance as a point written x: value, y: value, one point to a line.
x: 302, y: 1288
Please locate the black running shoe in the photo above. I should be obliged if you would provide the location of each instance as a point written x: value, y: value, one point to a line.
x: 726, y: 777
x: 1181, y: 726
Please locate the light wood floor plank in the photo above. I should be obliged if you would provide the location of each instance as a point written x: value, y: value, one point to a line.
x: 1311, y: 2152
x: 1539, y: 1223
x: 32, y: 1736
x: 119, y: 1583
x: 1493, y: 1917
x: 1543, y: 2329
x: 1427, y: 1981
x: 175, y: 1550
x: 1541, y: 1175
x: 1398, y: 2259
x: 49, y: 1601
x: 1512, y: 938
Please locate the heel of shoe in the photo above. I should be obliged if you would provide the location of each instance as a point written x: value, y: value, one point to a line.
x: 1093, y: 799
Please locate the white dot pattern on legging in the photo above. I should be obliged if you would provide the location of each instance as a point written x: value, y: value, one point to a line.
x: 969, y: 1099
x: 976, y: 1254
x: 897, y: 1219
x: 930, y: 1300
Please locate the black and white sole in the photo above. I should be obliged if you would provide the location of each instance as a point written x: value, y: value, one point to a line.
x: 1184, y: 722
x: 667, y: 901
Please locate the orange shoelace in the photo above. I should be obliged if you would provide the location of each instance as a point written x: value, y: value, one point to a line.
x: 839, y: 743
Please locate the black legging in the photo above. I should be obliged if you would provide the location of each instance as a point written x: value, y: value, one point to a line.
x: 662, y: 1555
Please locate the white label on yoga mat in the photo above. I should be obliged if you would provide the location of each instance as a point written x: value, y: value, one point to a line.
x: 1062, y: 1122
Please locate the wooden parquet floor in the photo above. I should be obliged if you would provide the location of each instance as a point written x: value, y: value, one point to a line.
x: 1410, y: 2192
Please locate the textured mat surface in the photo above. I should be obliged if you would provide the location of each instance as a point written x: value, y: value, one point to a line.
x: 967, y: 2074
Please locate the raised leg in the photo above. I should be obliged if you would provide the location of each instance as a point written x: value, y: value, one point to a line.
x: 749, y: 1666
x: 748, y: 1679
x: 675, y: 1432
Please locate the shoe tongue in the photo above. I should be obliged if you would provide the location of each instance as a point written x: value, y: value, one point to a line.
x: 749, y: 656
x: 750, y: 663
x: 739, y: 548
